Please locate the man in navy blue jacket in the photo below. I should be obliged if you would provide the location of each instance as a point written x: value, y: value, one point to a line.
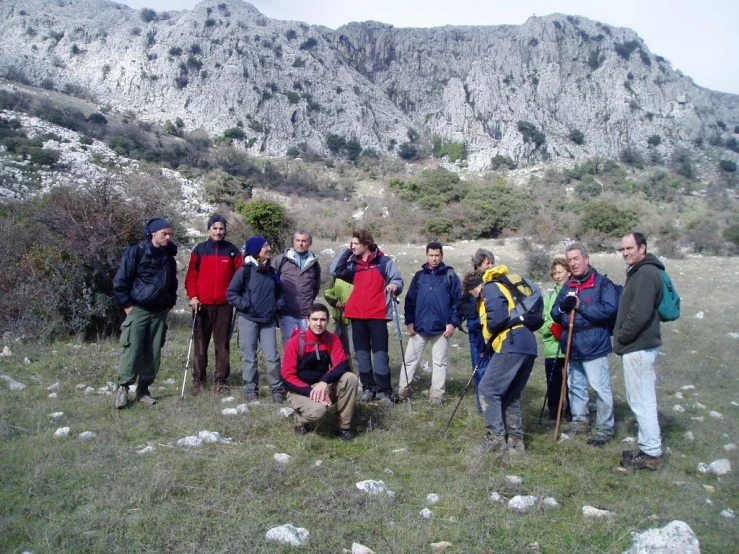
x: 430, y: 316
x: 594, y: 300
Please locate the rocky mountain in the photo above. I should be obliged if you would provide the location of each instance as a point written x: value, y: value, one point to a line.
x: 555, y: 87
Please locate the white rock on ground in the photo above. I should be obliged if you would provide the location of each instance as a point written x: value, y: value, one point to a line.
x: 203, y: 437
x: 697, y: 418
x: 169, y: 381
x: 629, y: 440
x: 688, y: 435
x: 286, y: 412
x: 12, y: 383
x: 288, y: 534
x: 318, y: 463
x: 734, y: 403
x: 702, y: 468
x: 730, y: 447
x: 400, y: 450
x: 229, y: 411
x: 388, y: 471
x: 678, y: 408
x: 590, y: 511
x: 699, y: 315
x: 227, y: 399
x: 522, y: 504
x: 87, y: 436
x: 53, y: 395
x: 709, y: 488
x: 688, y: 387
x: 563, y: 437
x: 242, y: 408
x: 432, y: 498
x: 728, y: 513
x: 550, y: 502
x: 6, y: 351
x: 497, y: 498
x: 733, y: 335
x: 56, y: 387
x: 720, y: 467
x: 145, y: 450
x: 372, y: 487
x: 675, y: 537
x: 56, y: 415
x: 513, y: 480
x: 440, y: 546
x: 358, y: 548
x: 89, y: 390
x: 281, y: 457
x: 699, y: 406
x: 679, y: 395
x: 426, y: 513
x: 62, y: 432
x: 715, y: 415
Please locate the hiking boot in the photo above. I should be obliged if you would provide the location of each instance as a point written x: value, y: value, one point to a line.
x: 344, y: 434
x: 367, y: 396
x: 435, y: 402
x: 577, y: 428
x: 278, y: 397
x: 384, y: 400
x: 642, y: 461
x: 146, y: 399
x: 222, y: 389
x: 301, y: 430
x: 251, y: 396
x: 599, y: 440
x: 121, y: 397
x: 516, y: 445
x: 493, y: 444
x: 197, y: 388
x: 630, y: 454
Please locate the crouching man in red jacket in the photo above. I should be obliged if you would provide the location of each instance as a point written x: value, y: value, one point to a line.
x: 316, y: 374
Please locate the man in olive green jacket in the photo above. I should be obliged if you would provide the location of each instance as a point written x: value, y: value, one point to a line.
x: 637, y: 338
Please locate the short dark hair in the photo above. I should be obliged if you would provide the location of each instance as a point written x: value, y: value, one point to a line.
x: 434, y: 246
x: 217, y: 218
x: 640, y: 239
x: 318, y: 307
x: 365, y: 238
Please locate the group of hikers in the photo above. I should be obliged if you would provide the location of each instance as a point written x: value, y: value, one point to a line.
x: 582, y: 321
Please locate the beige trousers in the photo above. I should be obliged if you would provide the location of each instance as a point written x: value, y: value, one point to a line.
x: 343, y: 394
x: 439, y: 347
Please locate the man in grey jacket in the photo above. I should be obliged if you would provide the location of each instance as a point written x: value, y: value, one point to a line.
x: 300, y: 276
x: 637, y: 338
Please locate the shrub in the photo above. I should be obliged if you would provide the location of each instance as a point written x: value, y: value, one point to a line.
x: 630, y: 156
x: 607, y: 218
x: 290, y: 34
x: 175, y: 51
x: 731, y: 234
x: 335, y: 143
x: 194, y: 63
x: 497, y: 207
x: 309, y: 44
x: 506, y: 162
x: 595, y: 60
x: 455, y: 150
x: 234, y: 133
x: 654, y: 140
x: 732, y: 144
x: 531, y: 133
x: 353, y: 149
x: 210, y: 22
x: 704, y: 237
x: 685, y: 168
x: 43, y: 156
x: 147, y: 15
x: 625, y: 49
x: 439, y: 227
x: 223, y: 188
x: 47, y: 84
x: 588, y: 188
x: 645, y: 57
x: 195, y: 49
x: 298, y: 62
x: 538, y: 262
x: 265, y: 218
x: 727, y: 165
x: 577, y: 136
x: 97, y: 118
x: 292, y: 97
x: 408, y: 151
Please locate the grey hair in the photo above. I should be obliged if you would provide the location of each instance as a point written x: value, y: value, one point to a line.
x: 479, y: 257
x: 303, y: 232
x: 577, y: 245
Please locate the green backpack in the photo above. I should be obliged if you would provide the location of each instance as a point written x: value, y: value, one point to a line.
x: 669, y: 306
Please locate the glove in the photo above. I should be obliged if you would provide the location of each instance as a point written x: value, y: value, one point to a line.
x: 568, y: 303
x: 556, y: 329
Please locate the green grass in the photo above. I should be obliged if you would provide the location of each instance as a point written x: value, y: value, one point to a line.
x: 65, y: 495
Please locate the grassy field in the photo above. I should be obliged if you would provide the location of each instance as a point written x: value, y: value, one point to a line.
x: 68, y: 495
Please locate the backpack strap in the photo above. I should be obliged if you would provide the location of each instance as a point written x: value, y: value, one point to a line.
x: 301, y: 344
x: 245, y: 276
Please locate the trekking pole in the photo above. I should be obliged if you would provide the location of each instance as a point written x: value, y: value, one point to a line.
x: 549, y: 382
x: 570, y: 330
x: 402, y: 352
x: 483, y: 355
x: 189, y: 349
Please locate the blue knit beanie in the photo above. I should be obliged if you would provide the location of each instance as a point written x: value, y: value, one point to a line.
x: 254, y: 245
x: 156, y: 224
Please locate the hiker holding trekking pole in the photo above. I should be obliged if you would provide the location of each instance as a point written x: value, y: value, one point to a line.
x: 510, y: 309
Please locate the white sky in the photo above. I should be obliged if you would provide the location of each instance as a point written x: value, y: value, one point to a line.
x: 698, y: 37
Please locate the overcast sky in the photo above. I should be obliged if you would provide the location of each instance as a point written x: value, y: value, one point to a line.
x: 699, y: 37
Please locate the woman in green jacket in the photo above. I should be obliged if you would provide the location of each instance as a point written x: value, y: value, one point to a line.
x: 550, y: 332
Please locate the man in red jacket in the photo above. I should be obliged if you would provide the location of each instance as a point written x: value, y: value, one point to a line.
x: 212, y: 265
x: 315, y: 371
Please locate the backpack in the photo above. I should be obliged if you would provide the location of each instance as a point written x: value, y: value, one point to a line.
x: 302, y: 343
x: 619, y: 291
x: 529, y: 303
x: 669, y: 307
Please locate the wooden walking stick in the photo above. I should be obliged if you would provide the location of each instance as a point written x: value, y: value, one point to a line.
x: 570, y: 330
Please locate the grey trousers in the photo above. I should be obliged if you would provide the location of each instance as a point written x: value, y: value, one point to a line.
x: 252, y: 333
x: 500, y: 392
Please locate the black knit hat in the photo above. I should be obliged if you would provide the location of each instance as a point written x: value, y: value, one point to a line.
x: 156, y: 224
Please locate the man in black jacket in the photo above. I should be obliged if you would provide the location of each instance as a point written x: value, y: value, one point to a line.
x: 637, y: 338
x: 146, y: 287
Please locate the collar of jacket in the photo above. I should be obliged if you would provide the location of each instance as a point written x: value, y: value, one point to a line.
x: 587, y: 281
x: 441, y: 268
x: 494, y: 272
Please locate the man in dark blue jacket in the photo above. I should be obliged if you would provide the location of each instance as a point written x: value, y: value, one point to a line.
x: 146, y: 286
x: 430, y: 316
x: 593, y: 298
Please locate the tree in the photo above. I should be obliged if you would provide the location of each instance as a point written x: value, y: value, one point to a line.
x: 408, y: 151
x: 577, y: 136
x: 531, y: 133
x: 605, y: 217
x: 265, y: 218
x: 335, y: 143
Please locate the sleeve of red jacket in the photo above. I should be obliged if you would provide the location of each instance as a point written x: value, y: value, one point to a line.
x: 191, y: 277
x: 339, y: 362
x: 289, y: 370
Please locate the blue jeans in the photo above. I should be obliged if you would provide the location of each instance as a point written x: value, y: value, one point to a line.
x: 476, y: 339
x: 288, y: 324
x: 251, y: 333
x: 640, y: 379
x: 593, y: 372
x: 500, y: 392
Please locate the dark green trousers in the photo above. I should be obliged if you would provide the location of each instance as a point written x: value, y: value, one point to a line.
x: 142, y: 336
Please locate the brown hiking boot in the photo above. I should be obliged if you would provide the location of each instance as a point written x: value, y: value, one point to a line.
x: 121, y: 397
x: 516, y: 445
x: 222, y: 389
x: 643, y: 461
x: 146, y: 399
x: 493, y: 444
x: 197, y: 388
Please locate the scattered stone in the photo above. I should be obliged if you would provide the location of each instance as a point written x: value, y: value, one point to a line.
x: 734, y: 403
x: 709, y: 488
x: 680, y: 483
x: 590, y: 511
x: 619, y: 469
x: 709, y: 501
x: 513, y: 480
x: 56, y: 387
x: 229, y: 411
x: 391, y: 494
x: 227, y: 399
x: 679, y: 395
x: 699, y: 406
x: 242, y: 408
x: 702, y: 468
x: 689, y: 436
x: 699, y: 315
x: 282, y: 458
x: 286, y: 412
x: 53, y: 395
x: 440, y: 546
x: 12, y: 383
x: 81, y: 386
x: 522, y: 504
x: 676, y: 536
x: 145, y: 450
x: 715, y: 415
x: 318, y: 463
x: 497, y: 498
x: 534, y: 547
x: 698, y: 418
x: 688, y: 387
x: 678, y: 408
x: 203, y: 437
x: 87, y: 436
x: 288, y: 534
x: 400, y: 450
x: 720, y: 467
x: 730, y: 447
x: 360, y: 549
x: 728, y: 513
x: 56, y: 415
x: 372, y: 487
x: 550, y: 502
x: 733, y: 335
x: 169, y: 381
x: 6, y: 351
x: 89, y: 390
x: 563, y: 437
x: 62, y: 432
x: 432, y: 498
x: 426, y: 513
x: 389, y: 472
x: 26, y: 361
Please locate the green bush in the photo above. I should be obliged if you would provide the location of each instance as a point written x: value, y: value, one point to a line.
x: 439, y: 227
x: 309, y: 44
x: 654, y: 140
x: 732, y: 144
x: 505, y: 162
x: 727, y: 165
x: 588, y: 187
x: 292, y: 97
x: 731, y: 234
x: 234, y: 133
x: 531, y: 133
x: 147, y: 15
x: 595, y: 59
x: 265, y: 218
x: 577, y: 136
x: 408, y: 151
x: 97, y: 119
x: 43, y: 156
x: 625, y: 49
x: 606, y: 217
x: 497, y: 207
x: 630, y: 156
x: 335, y: 143
x: 455, y: 150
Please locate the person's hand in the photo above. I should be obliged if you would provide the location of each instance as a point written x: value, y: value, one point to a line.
x: 569, y: 303
x: 411, y: 329
x: 392, y: 289
x: 449, y: 330
x: 319, y: 393
x: 195, y: 304
x: 339, y: 304
x: 128, y: 310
